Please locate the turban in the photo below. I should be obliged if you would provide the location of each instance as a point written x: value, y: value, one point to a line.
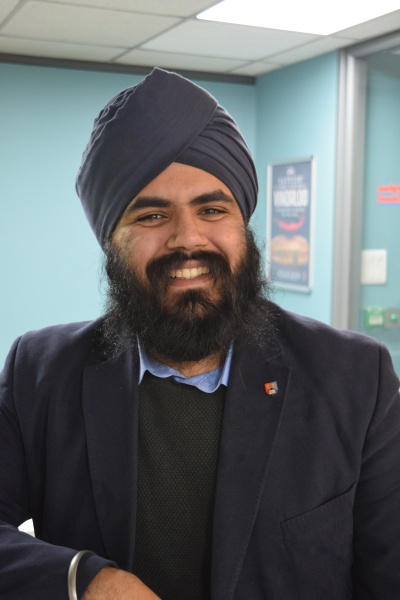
x: 141, y: 131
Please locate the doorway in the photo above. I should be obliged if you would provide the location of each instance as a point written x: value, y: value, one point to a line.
x: 367, y: 254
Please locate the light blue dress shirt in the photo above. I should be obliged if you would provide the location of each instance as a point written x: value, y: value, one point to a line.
x: 206, y: 382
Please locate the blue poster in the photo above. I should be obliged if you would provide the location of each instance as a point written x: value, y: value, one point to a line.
x: 289, y: 224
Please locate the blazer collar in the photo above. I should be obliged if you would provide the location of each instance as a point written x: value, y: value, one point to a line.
x: 250, y: 428
x: 110, y: 400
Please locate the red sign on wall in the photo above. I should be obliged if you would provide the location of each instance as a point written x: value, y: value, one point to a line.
x: 389, y: 194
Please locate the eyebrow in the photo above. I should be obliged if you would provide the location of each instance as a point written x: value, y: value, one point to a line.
x: 216, y: 196
x: 143, y: 202
x: 147, y: 202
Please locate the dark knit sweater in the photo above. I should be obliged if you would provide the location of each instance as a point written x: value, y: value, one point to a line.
x: 179, y: 432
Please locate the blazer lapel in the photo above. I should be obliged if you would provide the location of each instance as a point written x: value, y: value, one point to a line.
x: 110, y: 395
x: 250, y: 427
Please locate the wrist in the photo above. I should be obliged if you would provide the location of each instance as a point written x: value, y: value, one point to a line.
x: 72, y: 572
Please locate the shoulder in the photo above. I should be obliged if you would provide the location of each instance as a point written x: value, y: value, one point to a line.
x: 337, y: 364
x: 298, y: 329
x: 51, y: 346
x: 327, y: 351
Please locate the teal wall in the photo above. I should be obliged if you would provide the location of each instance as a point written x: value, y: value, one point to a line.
x: 296, y: 118
x: 49, y: 257
x: 50, y: 260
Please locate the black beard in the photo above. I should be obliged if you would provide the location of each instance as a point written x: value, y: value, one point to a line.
x: 193, y: 325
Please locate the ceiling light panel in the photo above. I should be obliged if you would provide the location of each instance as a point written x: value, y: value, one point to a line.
x: 308, y: 16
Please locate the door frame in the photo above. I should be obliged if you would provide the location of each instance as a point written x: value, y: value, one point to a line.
x: 349, y: 177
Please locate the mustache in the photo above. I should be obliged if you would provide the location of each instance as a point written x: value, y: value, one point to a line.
x: 158, y: 269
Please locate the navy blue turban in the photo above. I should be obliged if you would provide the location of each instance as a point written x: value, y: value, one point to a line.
x: 141, y: 131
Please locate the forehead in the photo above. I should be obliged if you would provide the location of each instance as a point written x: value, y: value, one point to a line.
x: 179, y: 182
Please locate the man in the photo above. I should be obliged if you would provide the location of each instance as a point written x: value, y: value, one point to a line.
x: 197, y: 442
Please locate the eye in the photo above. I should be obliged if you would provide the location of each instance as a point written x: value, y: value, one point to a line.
x: 150, y: 218
x: 212, y: 211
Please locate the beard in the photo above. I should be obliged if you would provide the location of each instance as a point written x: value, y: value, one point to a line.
x: 194, y: 324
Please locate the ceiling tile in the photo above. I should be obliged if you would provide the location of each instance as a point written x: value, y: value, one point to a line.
x: 225, y: 40
x: 315, y: 48
x: 178, y: 8
x: 78, y: 24
x: 163, y: 33
x: 373, y: 28
x: 26, y: 47
x: 150, y: 58
x: 6, y: 7
x: 256, y: 68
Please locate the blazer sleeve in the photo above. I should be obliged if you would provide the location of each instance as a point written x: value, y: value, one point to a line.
x: 30, y: 569
x: 376, y: 569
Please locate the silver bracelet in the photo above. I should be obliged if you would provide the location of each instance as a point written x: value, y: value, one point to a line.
x: 73, y: 567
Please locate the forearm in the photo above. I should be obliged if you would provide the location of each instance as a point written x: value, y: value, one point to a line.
x: 115, y: 584
x: 31, y: 569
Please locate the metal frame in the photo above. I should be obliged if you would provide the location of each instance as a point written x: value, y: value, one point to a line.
x: 349, y: 177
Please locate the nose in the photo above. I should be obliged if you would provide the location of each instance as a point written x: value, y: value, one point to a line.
x: 187, y: 233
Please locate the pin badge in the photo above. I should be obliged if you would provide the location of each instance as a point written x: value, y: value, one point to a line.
x: 271, y: 388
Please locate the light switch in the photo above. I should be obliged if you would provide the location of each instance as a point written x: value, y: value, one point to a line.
x: 392, y: 318
x: 373, y: 267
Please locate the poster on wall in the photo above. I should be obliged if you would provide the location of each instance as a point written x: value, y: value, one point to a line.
x: 290, y: 208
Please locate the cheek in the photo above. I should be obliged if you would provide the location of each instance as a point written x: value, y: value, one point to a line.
x: 233, y: 245
x: 140, y: 249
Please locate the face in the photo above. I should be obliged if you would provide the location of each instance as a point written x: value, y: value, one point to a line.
x: 184, y: 210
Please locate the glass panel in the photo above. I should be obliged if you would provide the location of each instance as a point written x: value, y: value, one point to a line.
x: 379, y: 313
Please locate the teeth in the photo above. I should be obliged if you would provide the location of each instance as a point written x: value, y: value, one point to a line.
x: 189, y: 273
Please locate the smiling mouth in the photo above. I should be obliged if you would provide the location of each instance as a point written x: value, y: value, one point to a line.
x: 189, y: 273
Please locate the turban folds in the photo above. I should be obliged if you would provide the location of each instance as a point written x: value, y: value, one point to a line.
x: 141, y: 131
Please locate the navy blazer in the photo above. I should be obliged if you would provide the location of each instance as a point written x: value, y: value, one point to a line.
x: 307, y: 503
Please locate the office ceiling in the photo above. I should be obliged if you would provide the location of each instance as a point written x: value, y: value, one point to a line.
x: 164, y: 33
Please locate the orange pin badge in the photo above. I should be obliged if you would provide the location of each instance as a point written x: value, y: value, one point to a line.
x: 271, y: 388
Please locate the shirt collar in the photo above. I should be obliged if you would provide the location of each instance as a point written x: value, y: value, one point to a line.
x: 206, y: 382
